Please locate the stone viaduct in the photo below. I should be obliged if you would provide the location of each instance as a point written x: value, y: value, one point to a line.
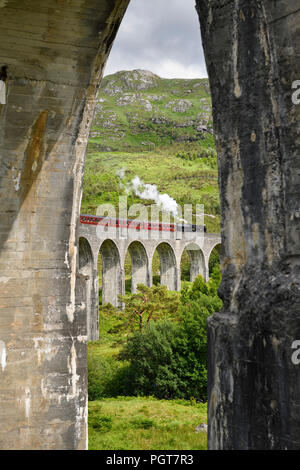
x: 141, y: 245
x: 54, y: 52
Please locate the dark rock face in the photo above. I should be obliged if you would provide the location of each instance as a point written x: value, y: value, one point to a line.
x: 251, y: 51
x: 54, y: 52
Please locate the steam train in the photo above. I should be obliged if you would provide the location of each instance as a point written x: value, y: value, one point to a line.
x: 139, y: 225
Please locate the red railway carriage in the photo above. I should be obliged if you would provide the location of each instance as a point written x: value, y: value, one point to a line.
x: 131, y: 224
x: 139, y: 225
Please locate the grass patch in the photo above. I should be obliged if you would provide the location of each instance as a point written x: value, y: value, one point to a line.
x: 126, y: 423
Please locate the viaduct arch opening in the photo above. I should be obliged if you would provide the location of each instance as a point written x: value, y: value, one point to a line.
x: 86, y: 270
x: 112, y: 278
x: 214, y: 257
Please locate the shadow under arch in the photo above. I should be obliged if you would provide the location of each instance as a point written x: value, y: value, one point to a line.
x: 168, y: 266
x: 112, y: 279
x: 86, y: 270
x: 197, y: 261
x: 139, y: 265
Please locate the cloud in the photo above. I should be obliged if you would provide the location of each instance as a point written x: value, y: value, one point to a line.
x: 162, y: 36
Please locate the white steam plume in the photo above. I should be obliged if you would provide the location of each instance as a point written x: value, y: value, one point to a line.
x: 150, y: 191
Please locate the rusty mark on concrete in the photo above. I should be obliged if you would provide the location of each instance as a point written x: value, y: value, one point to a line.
x: 34, y: 155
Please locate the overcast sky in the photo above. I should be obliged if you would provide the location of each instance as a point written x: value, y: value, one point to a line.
x: 162, y: 36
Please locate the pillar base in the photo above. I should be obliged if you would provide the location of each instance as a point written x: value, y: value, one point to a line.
x: 254, y: 386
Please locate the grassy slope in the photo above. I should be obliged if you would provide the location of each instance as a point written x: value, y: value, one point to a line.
x: 138, y: 130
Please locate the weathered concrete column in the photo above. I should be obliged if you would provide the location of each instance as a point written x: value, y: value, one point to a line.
x: 252, y: 52
x: 197, y: 262
x: 168, y: 265
x: 112, y: 273
x: 54, y: 52
x: 86, y: 269
x: 178, y: 278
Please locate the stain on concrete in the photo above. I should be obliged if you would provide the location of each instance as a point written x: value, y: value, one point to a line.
x: 2, y: 355
x: 34, y: 154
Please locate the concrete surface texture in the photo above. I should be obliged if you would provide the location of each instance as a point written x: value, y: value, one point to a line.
x: 55, y: 51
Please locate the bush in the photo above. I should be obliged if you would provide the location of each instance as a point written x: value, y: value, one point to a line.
x: 100, y: 423
x: 153, y: 364
x: 164, y: 362
x: 142, y: 423
x: 106, y: 377
x: 167, y: 358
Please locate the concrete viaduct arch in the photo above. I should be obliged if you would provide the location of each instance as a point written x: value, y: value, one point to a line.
x: 168, y: 265
x: 198, y: 262
x: 140, y: 267
x: 111, y: 272
x: 55, y: 58
x: 87, y: 270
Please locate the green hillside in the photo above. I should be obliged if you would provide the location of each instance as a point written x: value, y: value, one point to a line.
x: 159, y: 130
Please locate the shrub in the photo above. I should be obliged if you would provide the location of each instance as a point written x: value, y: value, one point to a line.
x: 100, y: 423
x: 142, y: 423
x: 106, y: 377
x: 167, y: 357
x: 147, y: 353
x: 163, y: 363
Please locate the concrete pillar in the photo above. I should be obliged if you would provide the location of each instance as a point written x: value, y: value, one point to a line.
x: 55, y: 53
x: 112, y: 275
x: 178, y: 278
x: 252, y: 53
x: 206, y: 270
x: 139, y: 265
x: 197, y: 264
x: 86, y: 269
x: 168, y: 271
x: 150, y: 273
x: 122, y: 282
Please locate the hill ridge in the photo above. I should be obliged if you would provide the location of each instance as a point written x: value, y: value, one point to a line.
x: 158, y: 129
